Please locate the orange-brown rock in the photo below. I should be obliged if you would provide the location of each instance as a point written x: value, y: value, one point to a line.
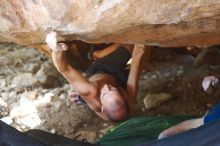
x: 152, y: 22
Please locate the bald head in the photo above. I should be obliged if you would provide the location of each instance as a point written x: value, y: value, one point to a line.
x: 113, y: 104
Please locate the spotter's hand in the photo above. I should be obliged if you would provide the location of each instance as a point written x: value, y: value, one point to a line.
x: 209, y: 80
x: 51, y: 40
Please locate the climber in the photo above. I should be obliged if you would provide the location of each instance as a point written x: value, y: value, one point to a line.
x: 105, y: 88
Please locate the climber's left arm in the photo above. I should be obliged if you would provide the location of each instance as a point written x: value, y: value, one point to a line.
x: 133, y: 78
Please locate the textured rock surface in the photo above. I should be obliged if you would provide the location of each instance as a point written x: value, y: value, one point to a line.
x: 153, y: 22
x: 154, y: 100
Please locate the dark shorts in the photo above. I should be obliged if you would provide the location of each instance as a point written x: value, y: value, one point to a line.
x: 213, y: 114
x: 113, y: 64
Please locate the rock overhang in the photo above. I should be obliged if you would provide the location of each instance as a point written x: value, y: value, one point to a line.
x: 159, y: 23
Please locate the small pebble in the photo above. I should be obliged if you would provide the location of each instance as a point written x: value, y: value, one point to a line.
x: 19, y: 89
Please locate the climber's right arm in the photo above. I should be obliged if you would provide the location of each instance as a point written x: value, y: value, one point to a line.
x: 75, y: 78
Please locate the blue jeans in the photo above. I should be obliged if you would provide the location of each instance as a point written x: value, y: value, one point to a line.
x: 213, y: 114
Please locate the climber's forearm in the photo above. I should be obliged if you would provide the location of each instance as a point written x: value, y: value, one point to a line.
x: 59, y: 60
x: 133, y: 78
x: 75, y: 78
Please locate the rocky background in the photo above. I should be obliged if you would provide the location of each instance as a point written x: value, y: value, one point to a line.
x: 33, y: 95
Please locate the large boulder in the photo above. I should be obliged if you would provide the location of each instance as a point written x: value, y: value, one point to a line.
x: 152, y: 22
